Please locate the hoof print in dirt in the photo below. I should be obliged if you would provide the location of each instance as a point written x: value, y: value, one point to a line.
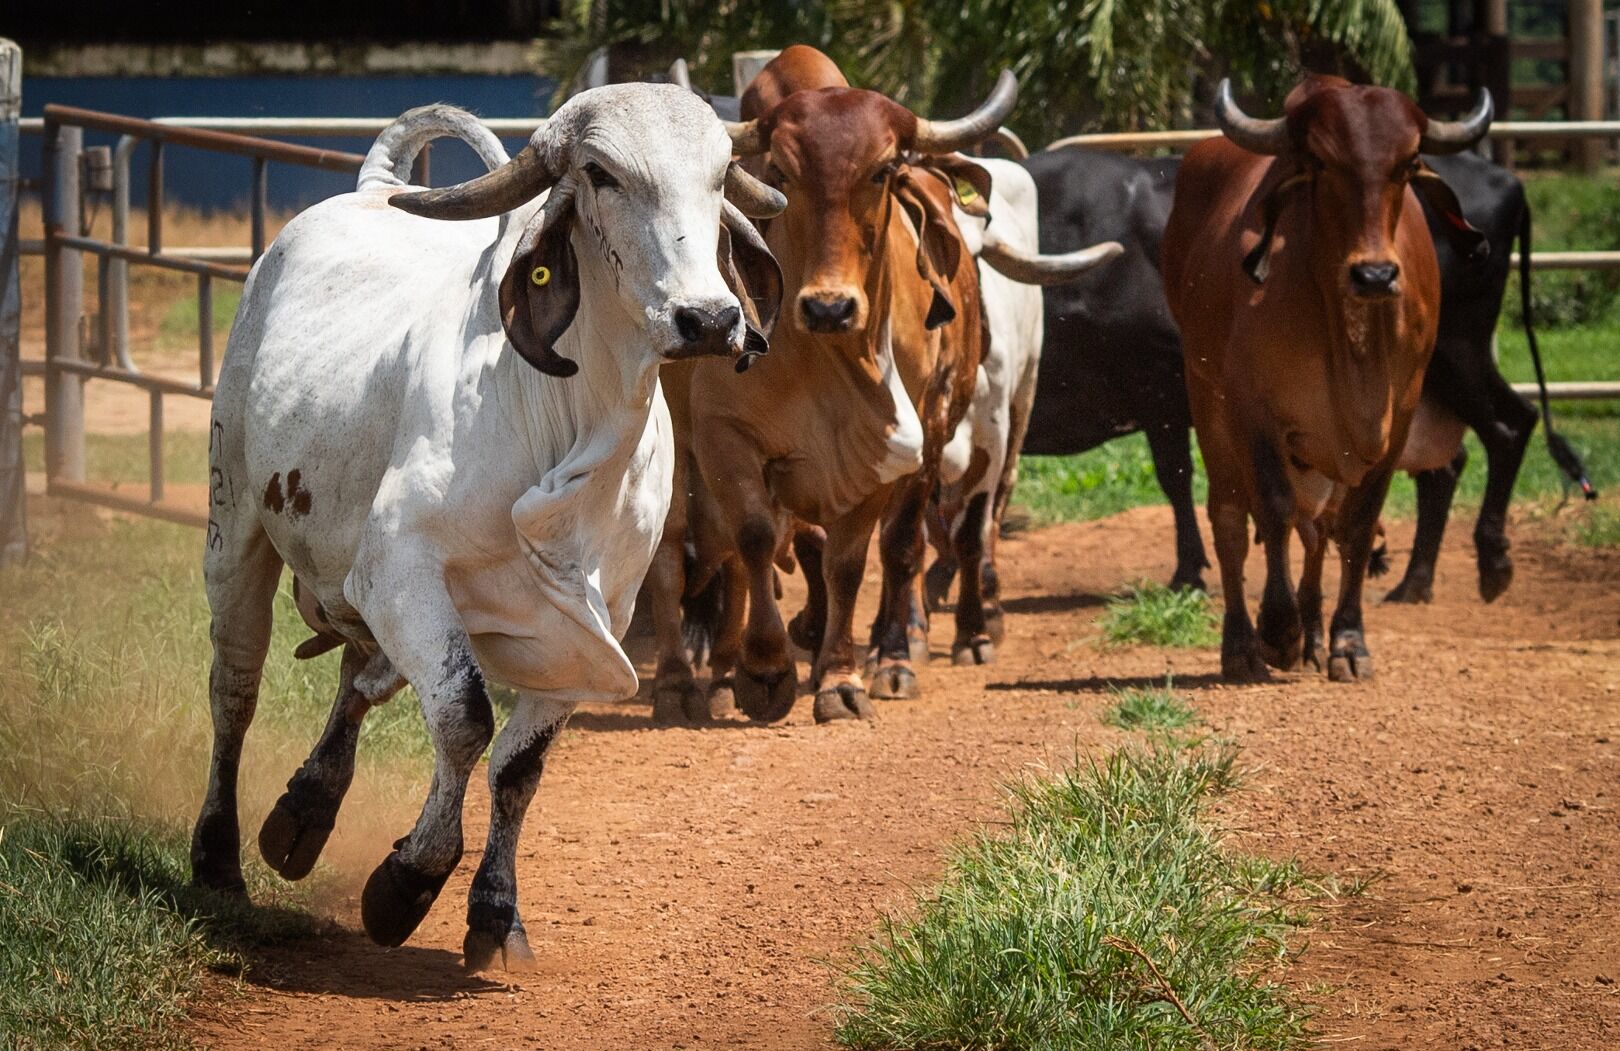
x: 980, y: 650
x: 396, y: 899
x: 895, y: 682
x: 765, y: 698
x: 294, y: 833
x: 680, y: 703
x: 1350, y: 661
x: 847, y: 701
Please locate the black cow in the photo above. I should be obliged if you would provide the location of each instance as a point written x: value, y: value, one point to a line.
x: 1111, y: 363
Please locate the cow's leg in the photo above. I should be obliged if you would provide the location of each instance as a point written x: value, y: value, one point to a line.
x: 1280, y: 631
x: 296, y: 830
x: 1314, y: 538
x: 1354, y: 528
x: 840, y: 692
x: 972, y: 644
x: 677, y: 698
x: 727, y: 645
x: 418, y: 627
x: 1435, y: 490
x: 809, y: 626
x: 1171, y: 447
x: 1505, y: 433
x: 941, y: 572
x: 515, y: 765
x: 765, y: 680
x: 240, y: 570
x: 897, y: 633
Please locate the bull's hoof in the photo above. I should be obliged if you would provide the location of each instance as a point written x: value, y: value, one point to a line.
x: 1244, y: 666
x: 895, y: 681
x: 220, y: 879
x: 293, y: 835
x: 680, y: 702
x: 1494, y: 577
x: 804, y: 633
x: 1350, y: 661
x: 485, y: 939
x: 1283, y: 655
x: 1312, y: 654
x: 1413, y: 591
x: 396, y: 899
x: 995, y: 624
x: 845, y: 701
x: 1188, y: 580
x: 766, y: 698
x: 977, y: 650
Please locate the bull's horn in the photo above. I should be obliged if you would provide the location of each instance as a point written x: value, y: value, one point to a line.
x: 746, y: 137
x: 1454, y: 136
x: 512, y: 185
x: 1269, y: 137
x: 1034, y: 269
x: 949, y: 136
x: 752, y: 197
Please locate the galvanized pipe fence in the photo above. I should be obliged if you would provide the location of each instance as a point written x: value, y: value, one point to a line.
x: 69, y: 166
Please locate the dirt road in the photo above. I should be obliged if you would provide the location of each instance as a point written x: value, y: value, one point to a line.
x: 692, y: 888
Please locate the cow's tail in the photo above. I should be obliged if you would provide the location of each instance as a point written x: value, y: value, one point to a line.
x: 702, y: 613
x: 388, y: 163
x: 1563, y: 454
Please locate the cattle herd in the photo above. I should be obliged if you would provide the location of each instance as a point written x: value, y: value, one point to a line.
x: 658, y: 351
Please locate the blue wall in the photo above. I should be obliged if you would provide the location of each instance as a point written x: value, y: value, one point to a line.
x: 212, y: 181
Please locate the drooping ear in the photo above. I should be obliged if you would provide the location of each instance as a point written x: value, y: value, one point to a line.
x: 1469, y: 242
x: 540, y: 290
x: 754, y: 277
x: 939, y: 249
x: 967, y: 179
x: 1257, y: 264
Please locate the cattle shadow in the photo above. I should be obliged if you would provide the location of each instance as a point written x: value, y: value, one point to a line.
x: 638, y: 716
x: 1105, y: 684
x: 1055, y: 603
x: 346, y: 963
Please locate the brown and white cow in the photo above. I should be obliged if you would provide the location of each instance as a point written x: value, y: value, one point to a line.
x: 1298, y: 264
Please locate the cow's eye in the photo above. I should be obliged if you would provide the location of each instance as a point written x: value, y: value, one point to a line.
x: 774, y: 175
x: 1412, y: 168
x: 599, y: 176
x: 881, y: 176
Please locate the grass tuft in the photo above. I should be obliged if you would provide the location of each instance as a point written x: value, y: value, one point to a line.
x: 1153, y: 708
x: 1105, y: 913
x: 1598, y: 527
x: 1154, y: 615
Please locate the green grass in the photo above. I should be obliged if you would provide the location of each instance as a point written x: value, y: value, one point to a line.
x: 1105, y: 912
x: 1153, y: 615
x: 123, y: 458
x: 1599, y: 527
x: 1149, y: 708
x: 1095, y: 484
x: 103, y: 943
x: 177, y: 328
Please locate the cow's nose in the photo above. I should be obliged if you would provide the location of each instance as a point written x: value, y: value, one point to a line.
x: 828, y: 314
x: 1371, y: 279
x: 706, y: 330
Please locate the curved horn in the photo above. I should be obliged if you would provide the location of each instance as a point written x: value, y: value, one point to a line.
x: 1008, y: 140
x: 949, y: 136
x: 1454, y: 136
x: 1032, y: 268
x: 752, y: 197
x: 513, y: 184
x: 1268, y: 137
x: 746, y: 137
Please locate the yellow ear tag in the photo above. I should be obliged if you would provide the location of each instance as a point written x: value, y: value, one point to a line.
x: 965, y: 191
x: 540, y: 275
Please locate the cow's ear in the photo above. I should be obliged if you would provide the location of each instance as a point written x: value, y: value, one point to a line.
x: 754, y: 277
x: 969, y: 180
x: 540, y: 290
x: 939, y: 249
x: 1464, y: 237
x: 1257, y: 264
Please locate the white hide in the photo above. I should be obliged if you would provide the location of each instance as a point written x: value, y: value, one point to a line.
x: 441, y: 475
x: 1005, y: 386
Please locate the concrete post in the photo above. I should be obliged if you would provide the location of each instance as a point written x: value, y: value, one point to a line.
x: 64, y: 305
x: 13, y: 520
x: 1586, y: 77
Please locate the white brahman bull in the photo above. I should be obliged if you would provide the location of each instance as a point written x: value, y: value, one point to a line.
x: 453, y: 435
x: 980, y: 464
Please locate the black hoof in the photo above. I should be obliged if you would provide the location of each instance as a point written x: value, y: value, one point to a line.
x: 1188, y: 580
x: 396, y: 899
x: 1350, y: 661
x: 895, y: 681
x: 1312, y: 655
x: 766, y: 698
x: 221, y: 881
x: 1245, y: 666
x: 978, y: 650
x: 846, y: 701
x: 680, y: 702
x: 493, y: 930
x: 293, y: 835
x: 1283, y: 655
x: 1494, y: 578
x: 1413, y: 592
x: 803, y: 634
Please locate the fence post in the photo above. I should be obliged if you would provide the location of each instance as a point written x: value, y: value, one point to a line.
x: 64, y: 303
x: 13, y: 520
x: 1586, y: 78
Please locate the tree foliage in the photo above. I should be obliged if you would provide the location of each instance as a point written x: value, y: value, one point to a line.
x: 1092, y: 64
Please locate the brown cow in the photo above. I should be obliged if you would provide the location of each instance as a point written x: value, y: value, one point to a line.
x: 1304, y: 374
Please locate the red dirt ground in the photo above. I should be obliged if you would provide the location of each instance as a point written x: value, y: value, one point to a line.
x: 693, y: 889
